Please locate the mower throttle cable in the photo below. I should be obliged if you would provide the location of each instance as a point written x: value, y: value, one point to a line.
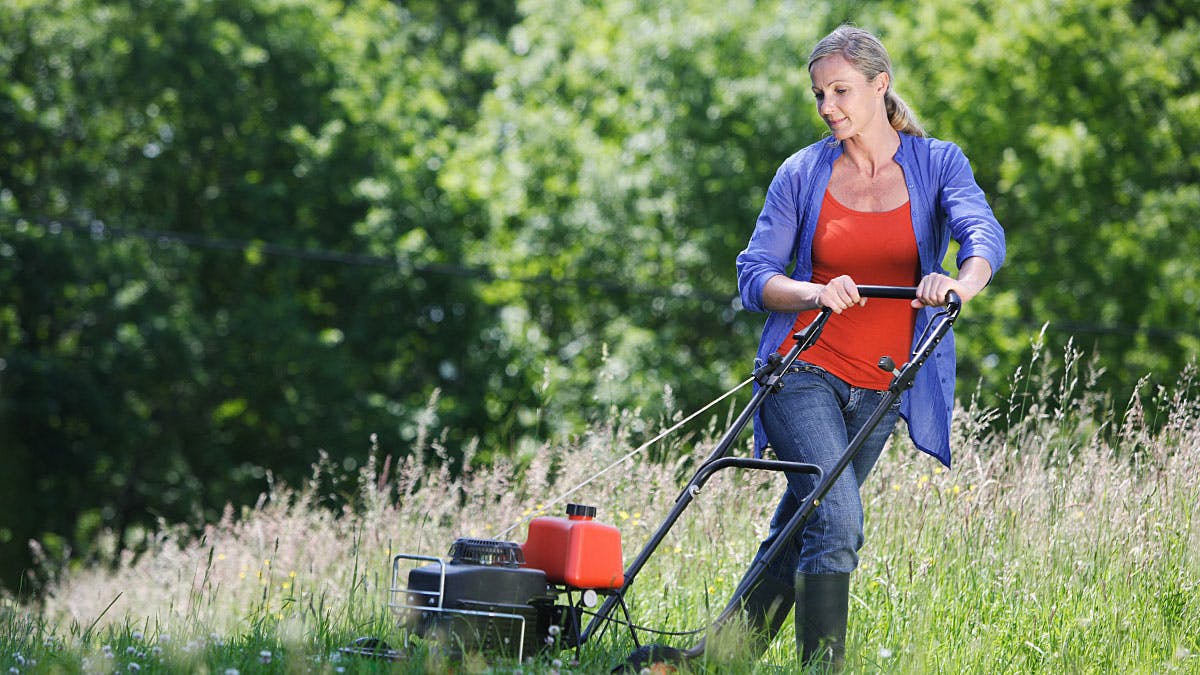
x: 628, y: 455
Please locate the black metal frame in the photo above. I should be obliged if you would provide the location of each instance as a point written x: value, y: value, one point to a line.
x: 769, y: 377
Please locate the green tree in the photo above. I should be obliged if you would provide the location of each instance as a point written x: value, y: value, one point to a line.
x: 503, y: 222
x: 1081, y: 119
x: 148, y: 377
x: 623, y: 154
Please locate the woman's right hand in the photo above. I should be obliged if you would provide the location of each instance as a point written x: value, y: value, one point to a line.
x: 839, y: 294
x: 781, y: 294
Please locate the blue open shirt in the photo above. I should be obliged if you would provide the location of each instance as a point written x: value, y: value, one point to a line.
x: 945, y: 202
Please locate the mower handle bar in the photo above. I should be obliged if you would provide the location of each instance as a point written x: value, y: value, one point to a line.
x: 768, y: 376
x: 904, y: 293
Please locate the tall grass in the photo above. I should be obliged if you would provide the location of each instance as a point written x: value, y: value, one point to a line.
x: 1067, y: 541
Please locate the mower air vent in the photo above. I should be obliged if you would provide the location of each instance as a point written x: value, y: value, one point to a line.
x: 486, y: 552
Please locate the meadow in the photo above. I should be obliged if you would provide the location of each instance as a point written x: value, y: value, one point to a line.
x: 1064, y: 540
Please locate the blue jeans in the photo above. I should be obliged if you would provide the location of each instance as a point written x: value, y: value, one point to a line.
x: 812, y: 419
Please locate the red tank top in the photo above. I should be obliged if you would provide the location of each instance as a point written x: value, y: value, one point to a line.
x: 876, y: 248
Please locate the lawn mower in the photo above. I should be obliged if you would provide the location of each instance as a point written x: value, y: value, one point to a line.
x: 515, y: 600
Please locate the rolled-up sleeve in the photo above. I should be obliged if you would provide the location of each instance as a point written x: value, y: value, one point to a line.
x: 967, y: 212
x: 772, y: 245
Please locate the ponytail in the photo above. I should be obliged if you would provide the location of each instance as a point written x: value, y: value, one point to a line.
x: 900, y: 115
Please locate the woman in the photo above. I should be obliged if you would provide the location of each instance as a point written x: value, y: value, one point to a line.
x: 877, y: 203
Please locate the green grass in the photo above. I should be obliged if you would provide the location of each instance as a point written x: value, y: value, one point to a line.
x: 1067, y: 542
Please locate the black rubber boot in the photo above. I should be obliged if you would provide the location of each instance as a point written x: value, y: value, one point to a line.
x: 822, y: 603
x: 765, y: 609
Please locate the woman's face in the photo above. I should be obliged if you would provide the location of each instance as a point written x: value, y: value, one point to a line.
x: 847, y: 102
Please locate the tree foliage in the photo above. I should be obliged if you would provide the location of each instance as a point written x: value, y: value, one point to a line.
x: 235, y: 233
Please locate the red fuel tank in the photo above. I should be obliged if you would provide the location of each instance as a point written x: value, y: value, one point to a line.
x: 576, y: 551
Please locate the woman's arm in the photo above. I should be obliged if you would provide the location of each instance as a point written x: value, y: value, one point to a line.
x: 973, y: 276
x: 783, y: 294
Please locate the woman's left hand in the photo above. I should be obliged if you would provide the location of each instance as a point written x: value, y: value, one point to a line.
x: 972, y: 278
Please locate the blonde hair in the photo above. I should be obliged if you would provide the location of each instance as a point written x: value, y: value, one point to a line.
x: 866, y: 53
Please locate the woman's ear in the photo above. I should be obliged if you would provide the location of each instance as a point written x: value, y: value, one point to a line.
x: 881, y: 83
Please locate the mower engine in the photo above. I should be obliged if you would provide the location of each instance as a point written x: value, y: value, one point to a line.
x: 501, y: 597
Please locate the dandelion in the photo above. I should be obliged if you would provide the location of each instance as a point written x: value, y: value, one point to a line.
x: 885, y: 653
x: 956, y: 489
x: 554, y: 630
